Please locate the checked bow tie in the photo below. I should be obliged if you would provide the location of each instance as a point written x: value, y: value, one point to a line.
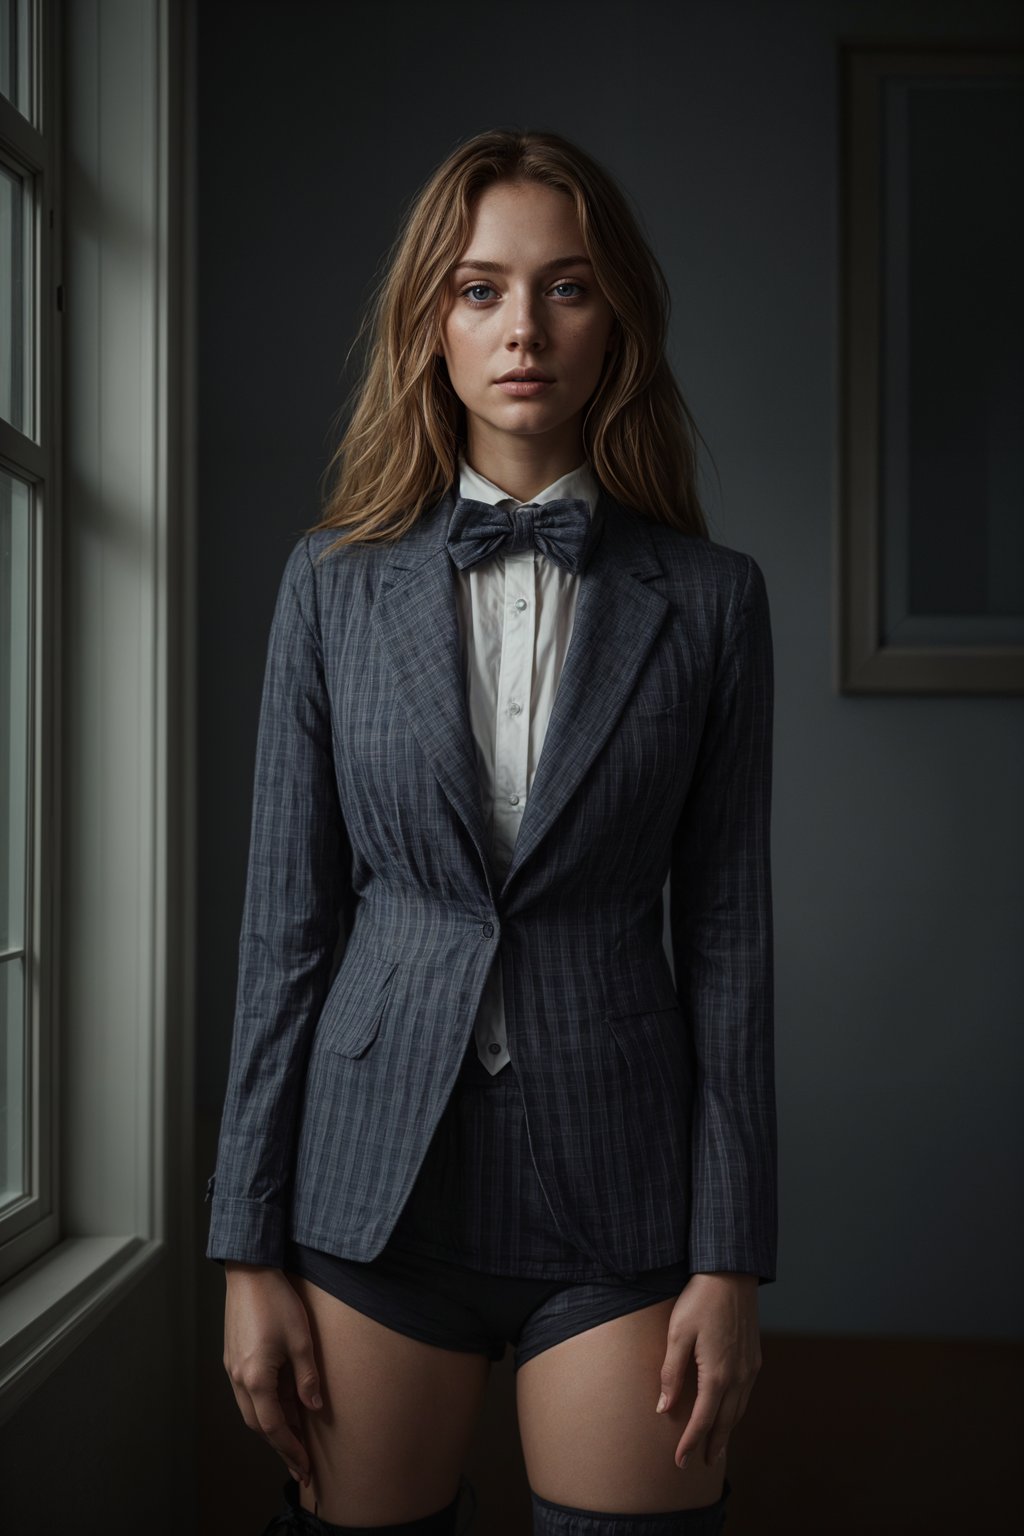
x: 562, y: 529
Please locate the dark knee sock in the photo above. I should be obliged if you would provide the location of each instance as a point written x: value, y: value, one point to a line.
x: 563, y: 1520
x: 302, y: 1522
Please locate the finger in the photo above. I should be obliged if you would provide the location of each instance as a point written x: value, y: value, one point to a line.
x: 294, y: 1414
x: 306, y: 1373
x: 744, y: 1400
x: 710, y: 1391
x: 274, y: 1426
x: 246, y: 1408
x: 674, y: 1367
x: 292, y: 1408
x: 727, y: 1418
x: 249, y: 1415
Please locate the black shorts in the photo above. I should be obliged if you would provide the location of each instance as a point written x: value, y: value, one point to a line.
x: 446, y: 1303
x: 475, y: 1261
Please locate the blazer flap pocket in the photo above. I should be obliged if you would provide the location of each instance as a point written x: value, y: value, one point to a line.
x: 356, y: 1005
x: 662, y: 708
x: 654, y: 1007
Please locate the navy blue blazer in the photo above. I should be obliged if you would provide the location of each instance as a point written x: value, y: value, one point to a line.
x: 372, y: 913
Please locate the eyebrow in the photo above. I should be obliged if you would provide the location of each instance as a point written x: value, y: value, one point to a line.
x: 549, y: 266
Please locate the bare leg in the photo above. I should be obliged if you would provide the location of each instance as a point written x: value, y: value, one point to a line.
x: 591, y: 1436
x: 398, y: 1416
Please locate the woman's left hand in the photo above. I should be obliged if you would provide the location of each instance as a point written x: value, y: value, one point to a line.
x: 716, y: 1319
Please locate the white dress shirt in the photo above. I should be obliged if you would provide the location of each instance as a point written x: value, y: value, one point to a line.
x: 516, y: 615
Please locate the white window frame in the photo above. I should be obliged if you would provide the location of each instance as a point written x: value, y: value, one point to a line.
x: 115, y: 794
x: 30, y: 143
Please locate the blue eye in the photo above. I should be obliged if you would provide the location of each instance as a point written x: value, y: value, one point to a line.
x: 475, y: 287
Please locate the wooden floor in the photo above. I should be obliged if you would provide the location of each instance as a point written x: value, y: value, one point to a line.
x: 841, y: 1436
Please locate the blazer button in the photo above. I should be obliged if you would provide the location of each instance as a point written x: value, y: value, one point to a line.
x: 487, y: 929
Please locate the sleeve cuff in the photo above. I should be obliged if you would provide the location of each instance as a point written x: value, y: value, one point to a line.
x: 248, y: 1231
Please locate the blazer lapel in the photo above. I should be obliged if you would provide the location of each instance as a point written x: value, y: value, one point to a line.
x: 617, y: 619
x: 416, y: 621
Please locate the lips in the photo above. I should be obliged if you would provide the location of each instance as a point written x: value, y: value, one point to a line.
x: 524, y: 388
x: 527, y: 376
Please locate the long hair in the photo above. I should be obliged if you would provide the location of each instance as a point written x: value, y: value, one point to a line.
x: 399, y: 451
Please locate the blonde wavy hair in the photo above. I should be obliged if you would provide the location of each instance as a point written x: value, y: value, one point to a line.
x: 399, y: 451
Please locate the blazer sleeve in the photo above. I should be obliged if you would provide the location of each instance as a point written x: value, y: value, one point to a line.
x: 298, y: 886
x: 722, y: 939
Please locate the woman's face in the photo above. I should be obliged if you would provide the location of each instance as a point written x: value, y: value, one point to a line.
x: 517, y: 303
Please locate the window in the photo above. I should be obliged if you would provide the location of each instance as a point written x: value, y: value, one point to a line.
x: 29, y: 375
x: 98, y: 1194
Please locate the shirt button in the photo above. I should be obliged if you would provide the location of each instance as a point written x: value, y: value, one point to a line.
x: 520, y: 602
x: 515, y: 709
x: 494, y: 1048
x: 513, y: 799
x: 488, y: 929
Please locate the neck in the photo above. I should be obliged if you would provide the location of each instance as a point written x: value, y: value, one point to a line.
x: 522, y: 467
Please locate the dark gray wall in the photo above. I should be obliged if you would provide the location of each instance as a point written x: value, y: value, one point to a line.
x: 898, y: 836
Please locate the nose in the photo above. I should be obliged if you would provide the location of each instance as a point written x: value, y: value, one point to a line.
x: 525, y: 327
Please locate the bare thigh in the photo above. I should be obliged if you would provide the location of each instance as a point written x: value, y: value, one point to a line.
x: 590, y: 1433
x: 398, y: 1416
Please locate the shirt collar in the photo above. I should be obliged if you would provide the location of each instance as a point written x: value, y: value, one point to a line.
x: 579, y: 482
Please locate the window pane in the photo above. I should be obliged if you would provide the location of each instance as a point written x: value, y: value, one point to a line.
x: 15, y: 503
x: 15, y: 620
x: 12, y: 1076
x: 15, y: 43
x: 14, y: 224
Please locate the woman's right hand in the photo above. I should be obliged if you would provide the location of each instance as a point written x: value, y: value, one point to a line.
x: 269, y: 1358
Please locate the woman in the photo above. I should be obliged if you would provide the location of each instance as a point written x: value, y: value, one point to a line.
x: 499, y: 1118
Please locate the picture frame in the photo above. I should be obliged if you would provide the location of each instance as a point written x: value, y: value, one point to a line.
x: 930, y: 570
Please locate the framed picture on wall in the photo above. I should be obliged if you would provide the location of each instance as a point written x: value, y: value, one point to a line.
x: 931, y: 479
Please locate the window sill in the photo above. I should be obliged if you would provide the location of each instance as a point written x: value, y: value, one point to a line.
x: 49, y: 1307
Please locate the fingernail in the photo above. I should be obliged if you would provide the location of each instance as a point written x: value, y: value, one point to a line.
x: 295, y: 1474
x: 318, y: 1401
x: 662, y: 1403
x: 681, y: 1463
x: 720, y: 1454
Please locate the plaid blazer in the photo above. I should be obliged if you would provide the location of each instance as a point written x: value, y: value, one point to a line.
x: 372, y: 913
